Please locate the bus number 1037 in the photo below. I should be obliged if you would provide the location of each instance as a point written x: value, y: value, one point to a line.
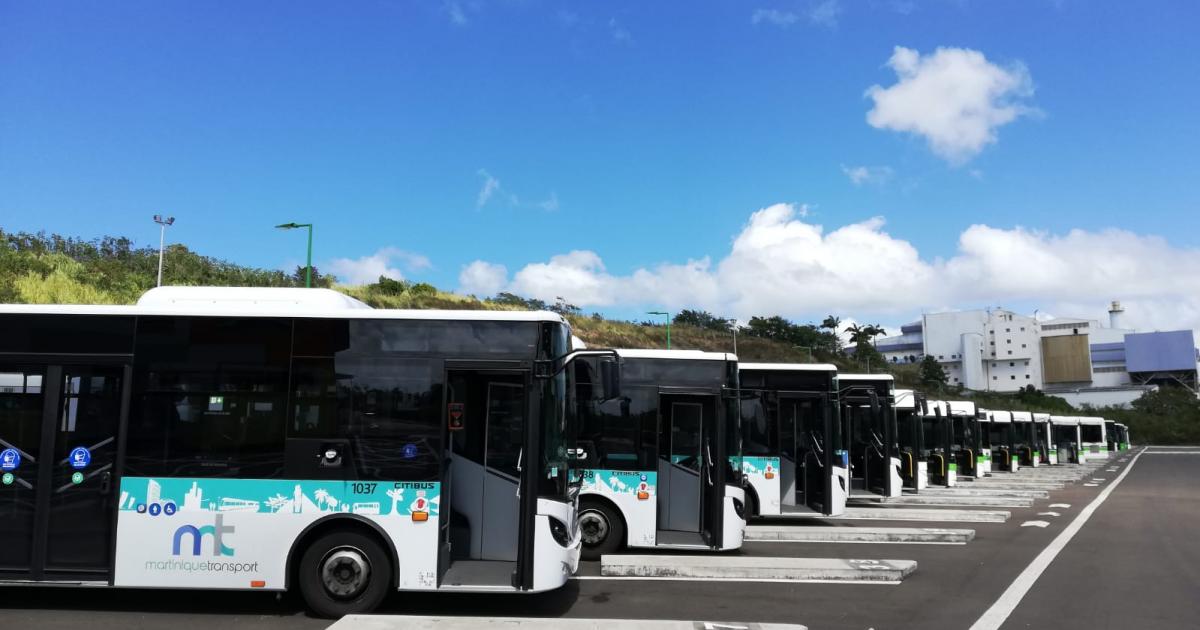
x: 363, y: 488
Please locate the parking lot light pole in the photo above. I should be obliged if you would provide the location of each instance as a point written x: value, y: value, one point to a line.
x: 308, y: 263
x: 668, y: 316
x: 163, y: 223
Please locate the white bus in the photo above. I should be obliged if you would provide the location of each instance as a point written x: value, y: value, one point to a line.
x: 660, y: 465
x: 869, y: 431
x: 793, y: 458
x: 1067, y: 439
x: 285, y: 439
x: 1092, y: 432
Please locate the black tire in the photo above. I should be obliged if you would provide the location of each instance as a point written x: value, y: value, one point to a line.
x: 362, y: 594
x: 592, y: 513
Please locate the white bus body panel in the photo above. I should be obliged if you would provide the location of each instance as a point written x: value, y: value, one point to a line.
x: 553, y: 564
x: 764, y: 475
x: 635, y: 493
x: 895, y: 481
x: 922, y: 475
x: 841, y: 481
x: 733, y: 531
x: 237, y: 533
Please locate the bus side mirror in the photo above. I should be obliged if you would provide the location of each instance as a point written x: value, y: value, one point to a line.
x: 610, y: 378
x: 874, y: 402
x: 924, y: 407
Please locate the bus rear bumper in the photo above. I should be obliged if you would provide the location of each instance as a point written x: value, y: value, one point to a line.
x: 554, y: 563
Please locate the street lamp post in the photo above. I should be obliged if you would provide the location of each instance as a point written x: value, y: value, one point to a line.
x: 162, y: 222
x: 809, y: 348
x: 733, y: 328
x: 668, y: 316
x: 308, y: 262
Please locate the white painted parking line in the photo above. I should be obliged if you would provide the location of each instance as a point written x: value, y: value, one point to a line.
x: 998, y: 613
x: 1035, y: 524
x: 1066, y: 506
x: 642, y: 578
x: 1091, y: 485
x: 414, y: 622
x: 1197, y: 452
x: 1048, y: 514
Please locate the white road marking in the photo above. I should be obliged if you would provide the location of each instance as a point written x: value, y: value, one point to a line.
x: 713, y: 579
x: 1048, y: 514
x: 1061, y: 505
x: 999, y: 612
x: 1097, y: 479
x: 1090, y: 485
x: 1173, y: 453
x: 1035, y: 524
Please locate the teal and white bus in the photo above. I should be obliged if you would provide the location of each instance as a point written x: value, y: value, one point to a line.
x: 966, y: 446
x: 793, y: 459
x: 660, y: 465
x: 868, y: 417
x: 286, y: 439
x: 1026, y: 439
x: 1045, y: 437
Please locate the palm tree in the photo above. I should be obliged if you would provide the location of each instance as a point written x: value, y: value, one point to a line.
x: 832, y: 322
x: 857, y: 333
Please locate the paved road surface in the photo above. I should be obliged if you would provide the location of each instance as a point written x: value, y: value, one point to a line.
x: 1136, y: 563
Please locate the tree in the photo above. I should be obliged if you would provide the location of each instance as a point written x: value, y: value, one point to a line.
x: 858, y: 334
x: 701, y: 319
x: 832, y: 323
x: 933, y: 375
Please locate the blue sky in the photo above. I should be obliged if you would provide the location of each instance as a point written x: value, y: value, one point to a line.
x: 645, y: 134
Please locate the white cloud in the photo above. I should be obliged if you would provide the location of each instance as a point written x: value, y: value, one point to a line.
x: 482, y: 278
x: 455, y: 12
x: 954, y: 98
x: 382, y: 263
x: 860, y: 175
x: 781, y: 264
x: 550, y: 204
x: 824, y: 13
x: 619, y: 33
x: 490, y: 186
x: 774, y: 16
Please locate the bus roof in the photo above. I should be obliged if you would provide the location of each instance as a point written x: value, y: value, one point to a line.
x: 1021, y: 416
x: 267, y: 302
x: 1090, y: 420
x: 802, y: 367
x: 904, y: 399
x: 961, y: 407
x: 1000, y: 416
x: 1064, y: 420
x: 866, y: 377
x: 693, y: 355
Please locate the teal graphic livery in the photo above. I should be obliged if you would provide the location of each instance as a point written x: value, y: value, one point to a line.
x: 418, y: 500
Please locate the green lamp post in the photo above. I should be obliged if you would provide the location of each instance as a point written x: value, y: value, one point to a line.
x: 308, y: 264
x: 668, y: 316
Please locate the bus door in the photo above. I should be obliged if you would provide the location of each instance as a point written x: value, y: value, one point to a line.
x: 804, y: 449
x: 58, y: 449
x: 483, y: 538
x: 690, y: 480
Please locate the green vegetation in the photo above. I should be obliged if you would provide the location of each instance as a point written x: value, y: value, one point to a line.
x: 52, y: 269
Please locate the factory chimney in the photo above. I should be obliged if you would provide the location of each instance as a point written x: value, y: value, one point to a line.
x: 1114, y: 314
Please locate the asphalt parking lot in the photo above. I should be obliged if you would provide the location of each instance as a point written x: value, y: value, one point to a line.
x: 1134, y: 563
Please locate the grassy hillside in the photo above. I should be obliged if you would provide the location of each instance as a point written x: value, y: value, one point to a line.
x: 51, y: 269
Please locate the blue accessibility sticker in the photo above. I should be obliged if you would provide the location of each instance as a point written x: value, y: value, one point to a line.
x: 80, y: 457
x: 410, y: 451
x: 10, y: 458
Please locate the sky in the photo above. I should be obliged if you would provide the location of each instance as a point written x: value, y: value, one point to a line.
x: 873, y: 159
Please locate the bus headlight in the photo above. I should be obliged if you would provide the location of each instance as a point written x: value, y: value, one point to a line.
x: 559, y: 531
x: 740, y: 508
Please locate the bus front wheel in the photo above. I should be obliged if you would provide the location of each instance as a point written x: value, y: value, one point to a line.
x: 344, y: 572
x: 601, y: 527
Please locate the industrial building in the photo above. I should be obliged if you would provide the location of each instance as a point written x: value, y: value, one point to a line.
x: 1078, y: 359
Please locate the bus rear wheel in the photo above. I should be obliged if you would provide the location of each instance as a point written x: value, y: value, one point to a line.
x: 343, y: 573
x: 602, y: 529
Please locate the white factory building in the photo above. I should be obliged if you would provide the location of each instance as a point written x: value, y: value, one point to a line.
x: 1078, y: 359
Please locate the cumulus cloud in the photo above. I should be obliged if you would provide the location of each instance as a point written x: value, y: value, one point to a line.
x: 781, y: 263
x: 482, y: 278
x: 860, y: 175
x: 954, y: 98
x: 385, y: 262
